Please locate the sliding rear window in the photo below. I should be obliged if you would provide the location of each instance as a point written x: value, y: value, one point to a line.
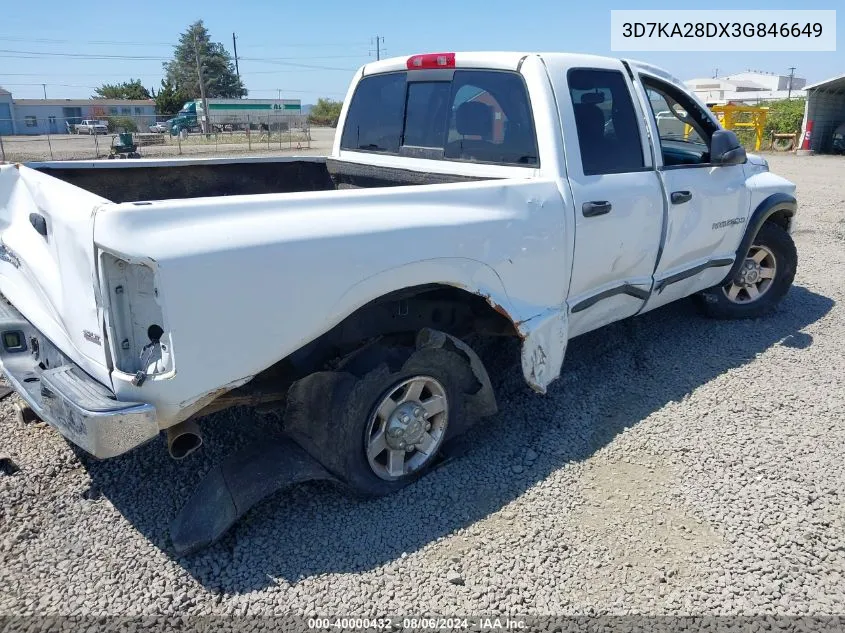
x: 466, y: 115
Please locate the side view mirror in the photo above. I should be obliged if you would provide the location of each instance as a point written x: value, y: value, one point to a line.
x: 725, y: 149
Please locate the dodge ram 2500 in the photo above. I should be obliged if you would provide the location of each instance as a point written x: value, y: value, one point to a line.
x: 512, y: 194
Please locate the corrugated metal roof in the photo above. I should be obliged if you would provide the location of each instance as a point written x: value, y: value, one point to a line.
x: 834, y: 84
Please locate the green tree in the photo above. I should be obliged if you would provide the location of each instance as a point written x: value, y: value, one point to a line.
x: 218, y: 71
x: 325, y: 112
x: 170, y: 99
x: 132, y: 89
x: 785, y: 116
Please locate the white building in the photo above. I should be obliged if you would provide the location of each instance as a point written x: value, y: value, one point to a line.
x: 750, y: 87
x: 58, y: 116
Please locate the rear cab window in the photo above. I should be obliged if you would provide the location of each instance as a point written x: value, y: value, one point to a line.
x: 481, y: 116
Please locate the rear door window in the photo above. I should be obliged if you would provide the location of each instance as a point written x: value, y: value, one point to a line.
x: 478, y: 116
x: 606, y: 122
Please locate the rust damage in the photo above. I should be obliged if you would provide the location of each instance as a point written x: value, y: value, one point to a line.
x: 517, y: 325
x: 543, y: 344
x: 216, y: 400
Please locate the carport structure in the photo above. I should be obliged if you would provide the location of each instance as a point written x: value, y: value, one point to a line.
x: 824, y: 112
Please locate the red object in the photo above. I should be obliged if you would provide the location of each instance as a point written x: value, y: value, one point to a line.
x: 805, y: 142
x: 431, y: 60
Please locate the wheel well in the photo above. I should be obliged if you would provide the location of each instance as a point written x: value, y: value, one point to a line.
x: 404, y: 312
x: 781, y: 218
x: 397, y: 316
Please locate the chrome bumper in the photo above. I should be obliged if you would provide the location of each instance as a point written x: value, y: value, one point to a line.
x: 86, y: 412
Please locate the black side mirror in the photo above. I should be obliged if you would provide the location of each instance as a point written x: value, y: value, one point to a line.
x: 725, y: 149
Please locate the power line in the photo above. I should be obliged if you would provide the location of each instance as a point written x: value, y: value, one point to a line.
x: 49, y: 83
x: 121, y: 74
x: 15, y: 53
x: 157, y: 73
x: 37, y: 54
x: 251, y: 90
x: 280, y: 63
x: 86, y: 56
x: 43, y: 40
x: 291, y: 91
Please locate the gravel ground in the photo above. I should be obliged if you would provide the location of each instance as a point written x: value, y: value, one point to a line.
x: 83, y: 147
x: 680, y: 466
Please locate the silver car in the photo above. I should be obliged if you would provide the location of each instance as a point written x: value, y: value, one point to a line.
x: 160, y: 127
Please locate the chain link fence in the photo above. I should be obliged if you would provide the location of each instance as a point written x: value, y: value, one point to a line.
x: 152, y: 137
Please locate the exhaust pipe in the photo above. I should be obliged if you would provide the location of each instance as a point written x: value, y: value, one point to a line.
x: 183, y: 439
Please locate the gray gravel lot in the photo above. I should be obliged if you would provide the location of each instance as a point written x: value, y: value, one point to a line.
x: 680, y: 465
x: 84, y: 147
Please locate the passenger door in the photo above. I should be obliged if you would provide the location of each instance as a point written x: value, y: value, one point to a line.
x: 617, y: 195
x: 707, y: 204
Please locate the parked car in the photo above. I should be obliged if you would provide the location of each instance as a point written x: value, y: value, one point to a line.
x: 465, y: 195
x: 92, y: 127
x: 161, y: 127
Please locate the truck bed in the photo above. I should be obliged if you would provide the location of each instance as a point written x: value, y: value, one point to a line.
x: 174, y: 179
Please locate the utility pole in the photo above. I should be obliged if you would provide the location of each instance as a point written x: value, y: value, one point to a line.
x: 235, y: 46
x: 205, y: 114
x: 379, y: 42
x: 791, y: 75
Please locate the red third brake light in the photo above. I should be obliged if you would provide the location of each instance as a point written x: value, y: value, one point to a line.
x: 431, y: 60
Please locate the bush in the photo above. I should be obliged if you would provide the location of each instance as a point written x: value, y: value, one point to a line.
x: 785, y: 116
x: 323, y: 121
x: 747, y: 137
x: 325, y: 113
x: 122, y: 124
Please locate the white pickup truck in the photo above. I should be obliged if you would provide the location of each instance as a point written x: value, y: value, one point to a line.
x: 525, y: 195
x: 92, y: 127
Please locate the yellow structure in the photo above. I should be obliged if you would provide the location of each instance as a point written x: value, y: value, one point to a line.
x: 733, y: 117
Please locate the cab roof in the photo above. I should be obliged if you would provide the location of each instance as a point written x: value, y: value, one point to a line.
x: 499, y: 60
x: 510, y: 60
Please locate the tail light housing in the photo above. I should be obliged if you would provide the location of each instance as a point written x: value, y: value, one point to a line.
x: 431, y: 60
x: 135, y: 324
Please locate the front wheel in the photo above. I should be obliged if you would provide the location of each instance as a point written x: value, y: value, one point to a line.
x: 761, y: 282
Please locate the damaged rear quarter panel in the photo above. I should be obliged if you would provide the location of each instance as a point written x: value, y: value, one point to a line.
x: 247, y: 280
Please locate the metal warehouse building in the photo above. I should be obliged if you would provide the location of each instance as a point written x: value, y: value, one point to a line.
x: 824, y: 112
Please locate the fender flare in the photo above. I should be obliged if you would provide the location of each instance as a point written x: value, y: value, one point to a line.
x: 777, y: 202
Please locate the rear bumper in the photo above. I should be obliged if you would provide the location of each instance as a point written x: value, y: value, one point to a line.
x: 86, y: 412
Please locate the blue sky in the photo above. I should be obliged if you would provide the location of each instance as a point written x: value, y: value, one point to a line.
x: 309, y: 49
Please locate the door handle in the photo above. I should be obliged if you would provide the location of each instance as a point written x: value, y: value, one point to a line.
x: 679, y: 197
x: 596, y: 207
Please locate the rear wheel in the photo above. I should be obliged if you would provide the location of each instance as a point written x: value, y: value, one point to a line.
x: 406, y: 427
x: 761, y: 282
x: 379, y: 420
